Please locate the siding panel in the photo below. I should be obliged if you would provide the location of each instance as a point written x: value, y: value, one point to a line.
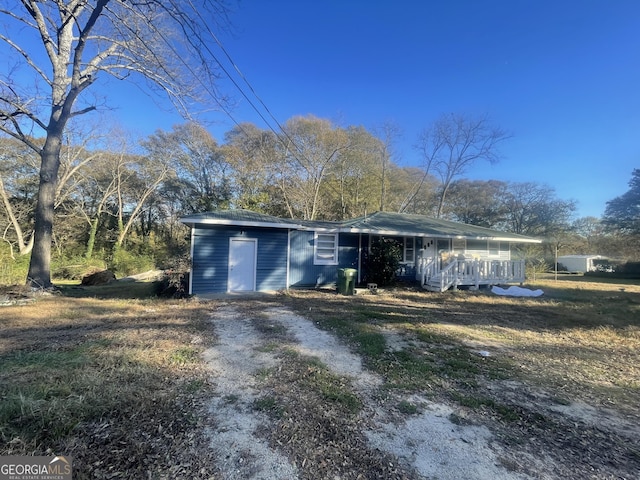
x: 210, y: 263
x: 304, y: 273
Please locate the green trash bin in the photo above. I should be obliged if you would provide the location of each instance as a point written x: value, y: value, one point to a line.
x: 347, y: 281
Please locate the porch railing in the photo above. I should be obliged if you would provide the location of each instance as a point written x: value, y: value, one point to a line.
x: 435, y: 276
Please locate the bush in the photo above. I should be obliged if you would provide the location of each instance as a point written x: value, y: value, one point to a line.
x: 535, y: 266
x: 382, y: 262
x: 125, y: 263
x: 173, y: 284
x: 74, y: 268
x: 175, y: 281
x: 629, y: 268
x: 13, y: 271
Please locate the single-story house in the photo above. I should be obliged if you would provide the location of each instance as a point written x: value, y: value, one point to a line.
x: 579, y: 263
x: 240, y: 250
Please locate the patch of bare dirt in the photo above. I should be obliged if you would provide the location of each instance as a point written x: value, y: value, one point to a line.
x: 286, y: 426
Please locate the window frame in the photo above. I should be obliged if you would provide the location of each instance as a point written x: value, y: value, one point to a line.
x: 409, y: 245
x: 317, y: 250
x: 493, y: 248
x: 456, y: 243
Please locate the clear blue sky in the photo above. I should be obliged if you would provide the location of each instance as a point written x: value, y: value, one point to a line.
x: 562, y: 76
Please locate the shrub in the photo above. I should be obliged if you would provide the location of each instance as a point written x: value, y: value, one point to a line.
x: 175, y: 281
x: 75, y: 267
x: 124, y: 263
x: 629, y: 268
x: 535, y: 266
x: 13, y: 270
x: 383, y: 261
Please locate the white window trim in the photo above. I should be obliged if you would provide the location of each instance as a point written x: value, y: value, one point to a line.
x: 496, y: 245
x: 456, y: 243
x: 411, y: 243
x: 325, y: 261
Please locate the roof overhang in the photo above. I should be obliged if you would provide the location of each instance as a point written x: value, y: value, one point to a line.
x: 193, y: 221
x: 400, y: 233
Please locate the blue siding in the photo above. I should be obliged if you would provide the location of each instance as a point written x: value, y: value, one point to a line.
x: 303, y: 273
x: 210, y: 263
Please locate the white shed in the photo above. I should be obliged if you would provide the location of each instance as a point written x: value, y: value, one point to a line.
x: 579, y: 263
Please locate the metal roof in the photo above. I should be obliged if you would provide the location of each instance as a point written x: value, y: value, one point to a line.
x: 378, y: 223
x: 243, y: 218
x: 404, y: 224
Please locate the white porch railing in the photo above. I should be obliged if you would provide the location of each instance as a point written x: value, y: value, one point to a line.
x: 434, y: 276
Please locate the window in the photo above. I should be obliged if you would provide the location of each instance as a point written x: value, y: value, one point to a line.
x: 325, y: 249
x: 409, y: 250
x: 494, y: 248
x: 459, y: 245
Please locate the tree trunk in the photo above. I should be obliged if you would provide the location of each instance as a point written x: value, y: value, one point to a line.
x: 39, y: 275
x: 92, y: 237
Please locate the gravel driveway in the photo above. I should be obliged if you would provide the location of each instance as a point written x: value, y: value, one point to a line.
x: 385, y: 442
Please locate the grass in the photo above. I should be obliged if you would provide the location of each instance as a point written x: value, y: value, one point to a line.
x: 75, y: 371
x: 317, y: 379
x: 97, y: 372
x: 580, y: 341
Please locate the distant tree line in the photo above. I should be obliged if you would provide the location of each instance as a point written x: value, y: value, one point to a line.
x: 119, y: 201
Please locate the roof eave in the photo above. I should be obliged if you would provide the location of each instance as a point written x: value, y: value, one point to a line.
x: 400, y: 233
x: 192, y: 222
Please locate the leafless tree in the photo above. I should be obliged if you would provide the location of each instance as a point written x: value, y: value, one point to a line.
x: 388, y: 133
x: 310, y: 150
x: 453, y: 143
x: 164, y: 43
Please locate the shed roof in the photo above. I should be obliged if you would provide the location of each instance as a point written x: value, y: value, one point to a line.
x: 378, y: 223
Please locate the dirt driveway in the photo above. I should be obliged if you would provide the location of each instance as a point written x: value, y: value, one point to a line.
x: 294, y: 402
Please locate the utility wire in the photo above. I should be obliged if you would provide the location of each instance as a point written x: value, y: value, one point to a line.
x: 282, y: 131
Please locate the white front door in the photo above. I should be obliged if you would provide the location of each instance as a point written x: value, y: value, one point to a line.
x: 429, y: 248
x: 242, y: 264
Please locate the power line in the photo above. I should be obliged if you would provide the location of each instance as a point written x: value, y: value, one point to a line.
x: 282, y: 131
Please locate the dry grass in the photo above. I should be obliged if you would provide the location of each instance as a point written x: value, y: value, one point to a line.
x: 581, y: 339
x: 117, y: 384
x: 512, y: 363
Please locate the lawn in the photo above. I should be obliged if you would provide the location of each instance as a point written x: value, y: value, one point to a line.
x: 119, y: 383
x: 114, y: 382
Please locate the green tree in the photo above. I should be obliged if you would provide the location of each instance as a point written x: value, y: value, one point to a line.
x: 623, y: 212
x: 198, y: 166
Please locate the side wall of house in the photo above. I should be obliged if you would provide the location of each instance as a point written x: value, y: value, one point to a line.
x: 210, y: 262
x: 486, y: 250
x: 304, y: 273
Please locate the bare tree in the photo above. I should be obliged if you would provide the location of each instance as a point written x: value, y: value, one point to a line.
x: 311, y: 149
x: 252, y: 152
x: 164, y: 42
x: 18, y: 184
x: 455, y: 142
x: 389, y: 133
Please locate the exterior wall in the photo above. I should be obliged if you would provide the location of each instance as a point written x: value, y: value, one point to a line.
x: 303, y: 272
x: 578, y: 263
x: 276, y: 247
x: 480, y: 249
x: 210, y: 262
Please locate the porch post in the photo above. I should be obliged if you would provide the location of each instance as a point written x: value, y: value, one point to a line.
x: 476, y: 267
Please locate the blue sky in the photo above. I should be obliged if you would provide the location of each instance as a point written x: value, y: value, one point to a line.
x: 562, y: 76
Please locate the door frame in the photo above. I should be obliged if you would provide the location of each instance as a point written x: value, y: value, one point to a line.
x: 254, y: 263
